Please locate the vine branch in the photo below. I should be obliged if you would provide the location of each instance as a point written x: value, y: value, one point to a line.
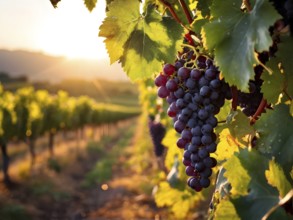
x: 259, y: 110
x: 186, y: 11
x: 281, y: 202
x: 172, y: 11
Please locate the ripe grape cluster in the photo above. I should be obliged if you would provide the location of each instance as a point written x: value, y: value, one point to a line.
x: 157, y: 132
x: 249, y: 102
x: 195, y: 95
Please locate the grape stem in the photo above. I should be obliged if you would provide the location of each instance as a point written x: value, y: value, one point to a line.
x: 247, y: 5
x: 186, y: 11
x: 285, y: 199
x: 259, y: 110
x: 173, y: 13
x: 234, y: 97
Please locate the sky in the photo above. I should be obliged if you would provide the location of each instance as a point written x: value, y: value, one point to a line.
x: 69, y: 30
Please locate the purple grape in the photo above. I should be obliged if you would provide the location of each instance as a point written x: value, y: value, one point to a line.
x: 163, y: 92
x: 168, y: 69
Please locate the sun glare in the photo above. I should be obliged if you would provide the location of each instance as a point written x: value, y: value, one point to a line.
x: 72, y: 31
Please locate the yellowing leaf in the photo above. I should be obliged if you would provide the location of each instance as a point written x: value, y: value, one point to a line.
x: 226, y: 210
x: 276, y: 177
x: 237, y: 176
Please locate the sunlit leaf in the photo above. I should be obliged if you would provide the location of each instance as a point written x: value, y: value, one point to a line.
x: 90, y: 4
x: 276, y: 177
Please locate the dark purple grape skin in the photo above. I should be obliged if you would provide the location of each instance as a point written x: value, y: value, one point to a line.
x: 196, y: 140
x: 195, y: 74
x: 194, y: 157
x: 186, y: 135
x: 179, y: 126
x: 207, y: 172
x: 163, y: 92
x: 210, y: 162
x: 196, y: 131
x: 204, y: 182
x: 171, y: 85
x: 203, y: 114
x: 183, y: 73
x: 189, y: 170
x: 205, y: 91
x: 181, y: 143
x: 211, y: 148
x: 199, y: 166
x: 203, y: 153
x: 206, y: 139
x: 210, y: 74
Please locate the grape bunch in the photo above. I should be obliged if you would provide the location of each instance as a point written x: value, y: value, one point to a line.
x: 249, y: 102
x: 195, y: 95
x: 157, y: 132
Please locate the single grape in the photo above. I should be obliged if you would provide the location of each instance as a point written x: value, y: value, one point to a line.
x: 195, y: 74
x: 179, y: 126
x: 204, y: 182
x: 171, y: 85
x: 161, y: 80
x: 181, y: 143
x: 168, y: 69
x: 163, y: 92
x: 205, y: 91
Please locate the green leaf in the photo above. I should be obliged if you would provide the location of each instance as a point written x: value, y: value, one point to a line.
x: 121, y: 21
x: 226, y: 210
x: 239, y: 127
x: 276, y: 139
x: 90, y: 4
x: 273, y: 84
x: 276, y: 177
x: 140, y: 42
x: 237, y: 175
x: 235, y: 35
x: 204, y: 7
x: 284, y: 55
x: 248, y: 175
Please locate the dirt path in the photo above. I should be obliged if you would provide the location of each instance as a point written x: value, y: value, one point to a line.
x: 47, y: 194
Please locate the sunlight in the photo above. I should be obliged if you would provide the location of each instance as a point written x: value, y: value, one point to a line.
x: 72, y: 31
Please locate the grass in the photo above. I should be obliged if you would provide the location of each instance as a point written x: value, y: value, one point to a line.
x: 102, y: 171
x: 13, y: 212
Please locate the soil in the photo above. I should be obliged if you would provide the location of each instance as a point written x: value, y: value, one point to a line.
x: 47, y: 194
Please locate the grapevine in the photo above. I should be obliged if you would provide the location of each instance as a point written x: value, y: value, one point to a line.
x: 234, y: 66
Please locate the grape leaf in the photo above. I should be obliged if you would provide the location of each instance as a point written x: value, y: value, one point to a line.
x: 249, y: 176
x: 239, y: 180
x: 274, y: 83
x: 90, y: 4
x: 276, y: 177
x: 227, y: 146
x: 141, y: 42
x: 180, y: 201
x: 284, y: 55
x: 225, y: 210
x: 121, y: 20
x: 276, y: 139
x: 204, y: 7
x: 239, y: 127
x: 235, y: 35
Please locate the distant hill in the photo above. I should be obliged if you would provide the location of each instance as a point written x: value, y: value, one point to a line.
x: 41, y: 67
